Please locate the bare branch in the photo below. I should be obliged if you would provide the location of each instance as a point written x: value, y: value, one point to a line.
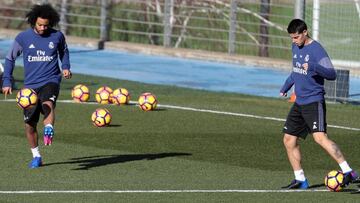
x: 183, y: 29
x: 271, y: 24
x: 237, y: 26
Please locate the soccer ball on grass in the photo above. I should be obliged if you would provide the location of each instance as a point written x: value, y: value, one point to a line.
x: 147, y: 101
x: 334, y: 180
x: 80, y: 93
x: 26, y: 98
x: 101, y: 117
x: 120, y: 96
x: 103, y: 95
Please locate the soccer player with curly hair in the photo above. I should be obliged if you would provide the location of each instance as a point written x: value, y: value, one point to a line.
x: 42, y: 47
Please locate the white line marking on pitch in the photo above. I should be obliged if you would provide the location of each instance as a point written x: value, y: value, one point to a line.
x: 155, y: 191
x: 210, y: 111
x: 247, y: 115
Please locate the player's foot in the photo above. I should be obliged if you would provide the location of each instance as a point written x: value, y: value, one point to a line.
x: 351, y: 177
x: 297, y: 184
x: 36, y: 162
x: 48, y: 135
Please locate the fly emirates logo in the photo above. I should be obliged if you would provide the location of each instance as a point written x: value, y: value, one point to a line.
x: 40, y: 57
x: 299, y: 69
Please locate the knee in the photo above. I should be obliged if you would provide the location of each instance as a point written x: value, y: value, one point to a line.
x: 30, y: 127
x: 320, y: 137
x: 289, y: 141
x: 47, y: 108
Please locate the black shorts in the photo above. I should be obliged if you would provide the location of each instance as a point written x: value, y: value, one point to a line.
x: 305, y: 119
x: 48, y: 92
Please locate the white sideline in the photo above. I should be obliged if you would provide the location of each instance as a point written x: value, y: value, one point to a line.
x: 156, y: 191
x: 208, y: 111
x: 247, y: 115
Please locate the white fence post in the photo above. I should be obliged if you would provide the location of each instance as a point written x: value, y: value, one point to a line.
x: 315, y: 20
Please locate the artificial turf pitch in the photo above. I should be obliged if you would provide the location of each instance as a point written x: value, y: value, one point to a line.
x: 170, y: 154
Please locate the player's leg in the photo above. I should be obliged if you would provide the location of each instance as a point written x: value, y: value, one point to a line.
x: 49, y: 113
x: 31, y: 117
x: 329, y: 146
x: 49, y: 120
x: 294, y: 155
x: 31, y: 134
x: 315, y: 117
x: 48, y: 95
x: 334, y: 151
x: 293, y: 151
x: 294, y: 128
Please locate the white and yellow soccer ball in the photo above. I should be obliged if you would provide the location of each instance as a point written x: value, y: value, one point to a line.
x: 120, y: 96
x: 334, y: 180
x: 80, y: 93
x: 147, y: 101
x: 103, y: 95
x: 26, y: 98
x: 101, y: 117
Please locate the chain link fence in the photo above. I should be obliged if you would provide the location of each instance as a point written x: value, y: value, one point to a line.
x: 236, y: 27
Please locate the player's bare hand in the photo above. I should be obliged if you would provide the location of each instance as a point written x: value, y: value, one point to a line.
x: 283, y: 94
x: 7, y: 90
x: 67, y: 73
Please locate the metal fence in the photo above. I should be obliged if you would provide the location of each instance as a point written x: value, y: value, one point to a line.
x: 245, y: 27
x: 234, y: 26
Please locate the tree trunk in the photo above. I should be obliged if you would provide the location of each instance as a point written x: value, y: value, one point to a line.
x: 264, y: 29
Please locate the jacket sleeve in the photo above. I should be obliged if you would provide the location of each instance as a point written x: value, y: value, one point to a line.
x: 288, y: 84
x: 64, y: 53
x: 10, y: 59
x: 324, y: 68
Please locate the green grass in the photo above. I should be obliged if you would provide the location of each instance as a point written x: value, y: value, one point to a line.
x: 168, y: 149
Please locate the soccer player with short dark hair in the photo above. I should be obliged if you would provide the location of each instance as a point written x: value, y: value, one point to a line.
x: 42, y: 47
x: 311, y: 66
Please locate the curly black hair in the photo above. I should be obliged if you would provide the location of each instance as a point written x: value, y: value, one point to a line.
x: 45, y: 11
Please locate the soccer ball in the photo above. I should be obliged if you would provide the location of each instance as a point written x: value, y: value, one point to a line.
x: 333, y: 180
x: 26, y: 98
x: 120, y: 96
x: 80, y: 93
x: 101, y: 117
x: 147, y: 101
x: 103, y: 95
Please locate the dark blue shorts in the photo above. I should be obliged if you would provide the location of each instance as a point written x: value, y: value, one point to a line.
x: 305, y: 119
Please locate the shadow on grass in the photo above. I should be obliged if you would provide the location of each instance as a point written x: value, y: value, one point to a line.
x: 345, y: 190
x: 317, y: 186
x: 114, y: 125
x: 86, y: 163
x: 356, y: 191
x: 160, y: 109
